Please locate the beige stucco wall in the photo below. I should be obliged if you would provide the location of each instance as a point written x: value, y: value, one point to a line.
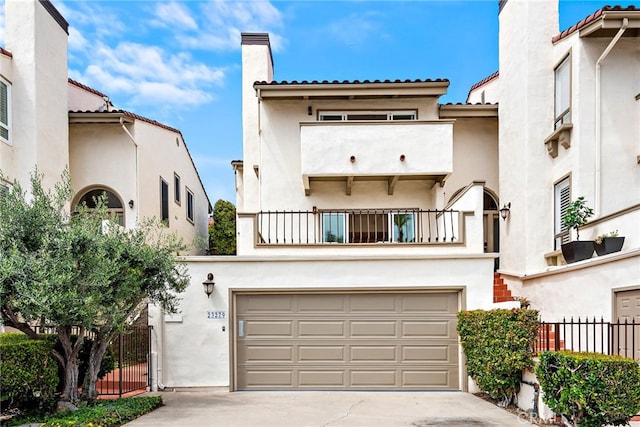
x: 192, y: 350
x: 39, y: 91
x: 83, y: 100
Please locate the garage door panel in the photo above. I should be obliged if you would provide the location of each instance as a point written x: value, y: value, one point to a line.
x: 321, y: 353
x: 321, y: 303
x: 373, y: 328
x: 257, y: 328
x: 427, y: 379
x: 431, y: 303
x: 372, y: 303
x: 431, y: 354
x: 377, y: 353
x: 376, y: 378
x: 348, y: 341
x: 445, y: 328
x: 322, y: 378
x: 262, y: 354
x: 325, y: 328
x: 267, y: 378
x: 265, y: 303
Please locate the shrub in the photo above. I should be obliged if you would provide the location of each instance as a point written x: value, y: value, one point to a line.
x: 590, y: 389
x: 498, y: 345
x: 107, y: 413
x: 28, y: 373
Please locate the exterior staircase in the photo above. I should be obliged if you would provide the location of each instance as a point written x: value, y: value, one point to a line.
x: 501, y: 292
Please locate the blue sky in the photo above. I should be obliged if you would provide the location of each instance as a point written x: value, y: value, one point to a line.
x: 178, y: 62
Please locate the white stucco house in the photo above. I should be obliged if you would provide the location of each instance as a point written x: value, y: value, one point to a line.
x: 53, y: 122
x: 368, y: 213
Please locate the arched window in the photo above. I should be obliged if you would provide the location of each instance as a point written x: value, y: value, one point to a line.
x: 114, y: 204
x: 489, y: 202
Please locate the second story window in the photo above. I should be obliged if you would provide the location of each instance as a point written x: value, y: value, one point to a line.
x: 176, y: 188
x: 5, y: 110
x: 164, y: 201
x: 337, y: 116
x: 369, y: 226
x: 563, y: 93
x: 190, y: 207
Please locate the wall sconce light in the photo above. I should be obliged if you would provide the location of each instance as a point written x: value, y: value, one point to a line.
x: 310, y: 110
x: 131, y: 204
x: 208, y: 285
x: 505, y: 210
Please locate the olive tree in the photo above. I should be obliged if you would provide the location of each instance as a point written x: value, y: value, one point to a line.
x: 80, y: 273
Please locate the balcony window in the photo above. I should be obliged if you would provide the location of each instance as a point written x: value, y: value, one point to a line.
x: 333, y: 228
x: 404, y: 227
x: 367, y: 115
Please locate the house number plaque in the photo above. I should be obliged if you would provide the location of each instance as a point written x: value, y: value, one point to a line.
x: 216, y: 314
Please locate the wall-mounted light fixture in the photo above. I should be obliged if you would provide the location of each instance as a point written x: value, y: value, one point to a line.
x: 505, y: 210
x: 208, y: 285
x: 131, y: 204
x: 310, y: 110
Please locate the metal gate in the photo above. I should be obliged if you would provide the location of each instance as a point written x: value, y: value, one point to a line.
x: 131, y: 374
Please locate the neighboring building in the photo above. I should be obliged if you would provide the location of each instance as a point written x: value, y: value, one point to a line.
x: 570, y: 127
x: 368, y: 213
x: 53, y: 122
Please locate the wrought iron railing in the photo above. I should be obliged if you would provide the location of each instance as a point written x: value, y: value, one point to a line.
x: 596, y: 336
x: 358, y: 226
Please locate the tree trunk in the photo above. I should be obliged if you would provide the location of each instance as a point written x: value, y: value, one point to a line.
x: 70, y: 365
x: 98, y: 349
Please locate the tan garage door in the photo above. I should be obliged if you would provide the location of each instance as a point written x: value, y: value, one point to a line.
x: 628, y: 310
x: 347, y: 341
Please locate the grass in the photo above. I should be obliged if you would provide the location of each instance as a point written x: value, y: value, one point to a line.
x: 106, y: 413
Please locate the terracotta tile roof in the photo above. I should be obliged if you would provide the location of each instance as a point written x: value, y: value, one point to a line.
x: 87, y: 88
x: 594, y: 16
x: 485, y: 81
x: 346, y: 82
x: 6, y: 52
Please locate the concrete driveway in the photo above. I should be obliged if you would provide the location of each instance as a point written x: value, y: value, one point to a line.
x: 212, y: 407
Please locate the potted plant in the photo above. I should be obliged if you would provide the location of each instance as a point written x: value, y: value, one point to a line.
x: 577, y: 215
x: 608, y: 243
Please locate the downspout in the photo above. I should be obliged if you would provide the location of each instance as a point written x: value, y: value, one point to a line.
x: 137, y: 201
x: 598, y: 118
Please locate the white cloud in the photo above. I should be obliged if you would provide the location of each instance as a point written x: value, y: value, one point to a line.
x: 76, y: 40
x: 173, y: 14
x: 149, y: 75
x: 356, y: 29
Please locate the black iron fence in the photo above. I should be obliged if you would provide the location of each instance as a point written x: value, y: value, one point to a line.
x: 596, y: 336
x: 358, y: 226
x: 131, y: 351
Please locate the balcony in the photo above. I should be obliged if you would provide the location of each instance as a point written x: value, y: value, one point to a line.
x: 397, y: 151
x: 358, y: 227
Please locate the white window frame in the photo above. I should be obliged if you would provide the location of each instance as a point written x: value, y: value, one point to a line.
x: 190, y: 206
x: 562, y: 92
x: 6, y: 126
x: 561, y: 198
x: 391, y: 115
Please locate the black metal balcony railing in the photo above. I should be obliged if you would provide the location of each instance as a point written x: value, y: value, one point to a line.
x: 357, y: 226
x: 595, y: 336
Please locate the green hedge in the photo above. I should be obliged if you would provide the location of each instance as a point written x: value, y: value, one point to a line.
x: 28, y: 373
x: 590, y: 389
x: 498, y: 345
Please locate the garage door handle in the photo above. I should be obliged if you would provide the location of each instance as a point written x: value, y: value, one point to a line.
x: 240, y: 328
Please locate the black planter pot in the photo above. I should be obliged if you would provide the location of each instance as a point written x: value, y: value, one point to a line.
x: 578, y: 250
x: 609, y: 245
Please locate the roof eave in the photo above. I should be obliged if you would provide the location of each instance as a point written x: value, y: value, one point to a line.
x: 611, y: 20
x: 351, y: 91
x: 452, y: 111
x: 81, y: 117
